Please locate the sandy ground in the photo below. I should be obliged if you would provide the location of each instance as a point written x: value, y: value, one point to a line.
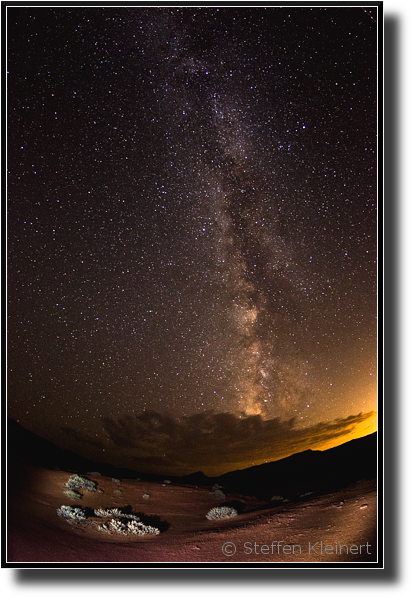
x: 336, y: 527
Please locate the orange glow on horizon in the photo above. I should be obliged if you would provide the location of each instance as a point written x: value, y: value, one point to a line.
x: 356, y: 431
x: 361, y: 430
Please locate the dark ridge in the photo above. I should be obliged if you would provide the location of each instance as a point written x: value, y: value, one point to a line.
x: 27, y: 447
x: 306, y: 472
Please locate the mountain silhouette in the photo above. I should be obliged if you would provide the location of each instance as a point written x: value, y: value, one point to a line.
x: 311, y: 472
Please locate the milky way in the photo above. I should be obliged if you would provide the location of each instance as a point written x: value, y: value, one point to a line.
x: 192, y: 213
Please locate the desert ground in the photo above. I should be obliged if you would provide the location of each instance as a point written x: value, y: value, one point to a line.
x: 334, y: 527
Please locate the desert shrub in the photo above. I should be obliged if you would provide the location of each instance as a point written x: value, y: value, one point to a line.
x: 117, y: 492
x: 78, y: 482
x: 72, y: 514
x: 138, y: 528
x: 116, y: 480
x: 115, y: 512
x: 146, y: 496
x: 126, y: 524
x: 72, y: 494
x: 117, y: 526
x: 112, y: 512
x: 219, y: 494
x: 218, y: 513
x: 167, y: 482
x: 133, y: 527
x: 277, y: 498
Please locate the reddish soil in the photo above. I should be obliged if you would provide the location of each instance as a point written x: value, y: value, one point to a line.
x: 344, y: 522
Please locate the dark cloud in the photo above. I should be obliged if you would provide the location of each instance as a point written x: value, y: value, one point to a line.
x: 214, y: 443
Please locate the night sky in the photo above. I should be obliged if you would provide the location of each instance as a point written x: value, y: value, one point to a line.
x: 192, y: 219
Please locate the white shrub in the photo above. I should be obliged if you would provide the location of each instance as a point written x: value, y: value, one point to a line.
x: 218, y: 513
x: 112, y: 512
x: 72, y: 494
x: 78, y: 482
x: 125, y: 524
x: 133, y: 528
x: 72, y: 514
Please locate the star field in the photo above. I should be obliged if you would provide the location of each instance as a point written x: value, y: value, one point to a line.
x: 191, y: 214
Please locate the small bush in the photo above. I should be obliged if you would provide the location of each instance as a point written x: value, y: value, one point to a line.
x: 117, y: 526
x: 146, y: 496
x: 116, y: 480
x: 277, y: 498
x: 138, y: 528
x: 218, y: 513
x: 219, y: 494
x: 78, y: 482
x: 112, y: 512
x: 125, y: 524
x: 71, y: 514
x: 133, y: 527
x: 72, y: 494
x: 218, y: 491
